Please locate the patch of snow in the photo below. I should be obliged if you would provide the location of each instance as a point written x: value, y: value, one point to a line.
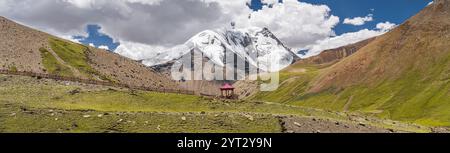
x: 258, y: 45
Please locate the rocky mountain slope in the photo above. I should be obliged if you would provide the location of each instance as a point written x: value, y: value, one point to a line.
x: 335, y: 55
x: 401, y: 75
x: 233, y: 50
x: 418, y: 45
x: 257, y: 46
x: 247, y: 88
x: 26, y: 49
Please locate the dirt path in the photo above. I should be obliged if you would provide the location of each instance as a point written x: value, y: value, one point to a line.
x: 75, y: 71
x: 300, y: 70
x: 348, y: 104
x: 288, y: 81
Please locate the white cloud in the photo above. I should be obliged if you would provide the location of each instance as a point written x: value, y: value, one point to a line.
x: 88, y: 4
x: 152, y: 22
x: 347, y: 38
x: 296, y: 23
x: 91, y: 44
x: 138, y: 51
x: 358, y: 21
x: 151, y: 28
x: 81, y: 3
x: 341, y: 40
x: 314, y: 22
x: 146, y: 27
x: 70, y: 38
x: 269, y: 2
x: 430, y: 3
x: 148, y: 2
x: 386, y: 26
x: 171, y: 22
x: 103, y: 47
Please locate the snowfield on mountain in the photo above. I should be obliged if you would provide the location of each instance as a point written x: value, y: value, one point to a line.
x: 258, y: 46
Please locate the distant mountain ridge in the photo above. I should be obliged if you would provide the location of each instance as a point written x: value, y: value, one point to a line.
x: 336, y: 54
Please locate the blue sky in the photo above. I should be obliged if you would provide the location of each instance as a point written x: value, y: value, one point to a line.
x: 394, y: 11
x: 97, y: 38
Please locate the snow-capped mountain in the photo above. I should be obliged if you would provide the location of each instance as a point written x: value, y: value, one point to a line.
x: 258, y: 46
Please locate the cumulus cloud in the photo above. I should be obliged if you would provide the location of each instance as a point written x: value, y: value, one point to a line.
x: 269, y: 2
x: 170, y: 22
x: 386, y: 26
x: 312, y: 23
x: 347, y: 38
x: 341, y: 40
x: 162, y: 22
x: 103, y: 47
x: 358, y: 21
x: 295, y: 23
x: 146, y: 28
x: 139, y: 51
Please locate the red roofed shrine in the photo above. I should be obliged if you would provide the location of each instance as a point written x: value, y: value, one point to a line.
x: 227, y: 91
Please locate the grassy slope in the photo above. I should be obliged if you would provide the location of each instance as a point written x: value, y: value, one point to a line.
x: 293, y: 81
x: 407, y: 82
x: 414, y: 83
x: 73, y: 54
x: 52, y: 65
x: 410, y: 98
x: 47, y: 106
x: 55, y: 120
x: 421, y: 95
x: 52, y: 95
x: 28, y: 105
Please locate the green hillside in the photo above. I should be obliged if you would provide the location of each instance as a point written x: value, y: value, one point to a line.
x: 74, y: 55
x: 52, y: 65
x: 403, y: 75
x: 40, y: 105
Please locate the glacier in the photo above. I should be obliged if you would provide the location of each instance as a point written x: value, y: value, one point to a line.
x: 257, y: 45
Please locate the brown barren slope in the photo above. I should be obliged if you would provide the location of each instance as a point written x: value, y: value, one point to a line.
x: 402, y: 75
x: 18, y: 46
x: 20, y: 51
x: 334, y: 55
x: 418, y: 45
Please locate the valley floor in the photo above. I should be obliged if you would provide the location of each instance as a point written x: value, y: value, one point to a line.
x: 40, y: 105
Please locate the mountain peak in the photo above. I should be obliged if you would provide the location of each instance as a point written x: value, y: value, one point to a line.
x: 246, y: 43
